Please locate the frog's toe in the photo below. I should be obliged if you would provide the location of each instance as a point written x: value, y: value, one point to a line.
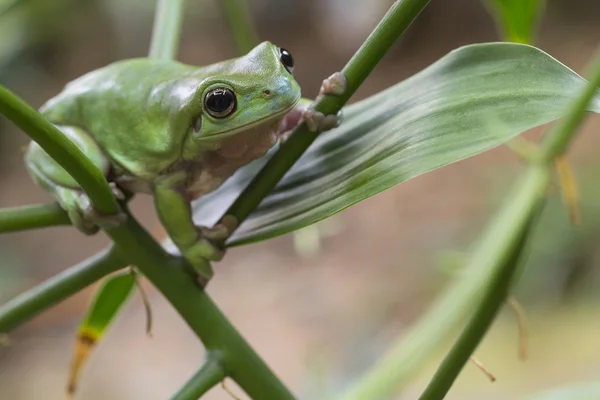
x: 199, y: 255
x: 221, y: 231
x: 81, y: 223
x: 316, y: 121
x: 118, y: 193
x: 336, y: 85
x: 104, y: 221
x: 69, y: 201
x: 208, y: 247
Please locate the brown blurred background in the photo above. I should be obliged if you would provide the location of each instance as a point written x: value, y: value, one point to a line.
x: 334, y: 307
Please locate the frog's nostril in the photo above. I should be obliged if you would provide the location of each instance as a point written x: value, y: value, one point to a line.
x: 267, y: 92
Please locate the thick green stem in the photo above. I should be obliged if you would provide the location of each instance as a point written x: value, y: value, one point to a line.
x: 240, y: 24
x: 560, y: 135
x: 31, y: 217
x: 58, y: 288
x: 59, y: 147
x: 208, y: 376
x: 167, y: 29
x: 177, y: 283
x: 393, y: 24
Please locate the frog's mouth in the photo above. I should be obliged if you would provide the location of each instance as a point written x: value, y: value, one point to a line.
x: 279, y: 117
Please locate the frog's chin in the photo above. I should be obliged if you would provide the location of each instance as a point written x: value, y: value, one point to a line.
x: 276, y: 118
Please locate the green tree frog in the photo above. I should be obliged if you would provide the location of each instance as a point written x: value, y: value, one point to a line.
x: 174, y: 131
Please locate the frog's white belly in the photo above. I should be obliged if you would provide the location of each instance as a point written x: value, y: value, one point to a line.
x: 233, y: 153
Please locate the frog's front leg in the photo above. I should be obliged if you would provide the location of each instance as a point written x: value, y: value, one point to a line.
x: 197, y: 244
x: 48, y: 174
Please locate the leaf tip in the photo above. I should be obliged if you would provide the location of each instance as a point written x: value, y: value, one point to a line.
x: 84, y: 345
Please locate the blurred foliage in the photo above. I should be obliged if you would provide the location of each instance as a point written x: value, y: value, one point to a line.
x: 582, y: 391
x: 565, y: 262
x: 516, y: 19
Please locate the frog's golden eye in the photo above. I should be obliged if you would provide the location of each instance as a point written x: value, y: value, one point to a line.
x: 220, y: 102
x: 287, y: 60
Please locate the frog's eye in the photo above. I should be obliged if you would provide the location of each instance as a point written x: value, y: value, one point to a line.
x: 220, y: 102
x: 287, y: 60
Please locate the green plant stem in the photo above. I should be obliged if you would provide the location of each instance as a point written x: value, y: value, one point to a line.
x: 209, y: 375
x: 16, y: 219
x: 241, y: 26
x: 59, y: 147
x: 484, y: 266
x: 177, y: 283
x: 510, y: 230
x: 394, y: 23
x: 535, y: 184
x: 58, y: 288
x: 167, y: 29
x: 560, y: 135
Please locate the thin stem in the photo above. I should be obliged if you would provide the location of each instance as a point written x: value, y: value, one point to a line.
x: 241, y: 26
x: 60, y: 148
x: 393, y: 24
x: 533, y: 189
x: 484, y: 266
x: 519, y: 215
x: 58, y: 288
x: 559, y: 137
x: 208, y: 376
x: 167, y: 29
x: 16, y: 219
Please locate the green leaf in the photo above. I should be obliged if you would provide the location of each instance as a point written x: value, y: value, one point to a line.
x: 109, y: 298
x: 439, y: 116
x: 516, y: 19
x: 582, y: 391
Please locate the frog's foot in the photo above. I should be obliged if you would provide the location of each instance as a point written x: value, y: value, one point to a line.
x: 208, y: 247
x: 335, y: 85
x: 118, y: 193
x: 316, y: 121
x: 82, y: 213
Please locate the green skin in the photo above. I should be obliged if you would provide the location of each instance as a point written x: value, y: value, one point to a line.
x: 144, y: 123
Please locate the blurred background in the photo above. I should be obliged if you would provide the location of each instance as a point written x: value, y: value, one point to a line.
x: 326, y: 309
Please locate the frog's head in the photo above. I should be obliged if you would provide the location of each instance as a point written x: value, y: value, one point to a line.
x: 236, y: 95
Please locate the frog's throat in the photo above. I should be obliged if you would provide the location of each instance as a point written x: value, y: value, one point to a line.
x: 233, y: 132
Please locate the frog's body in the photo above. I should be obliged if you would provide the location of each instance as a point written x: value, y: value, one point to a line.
x: 140, y: 111
x: 175, y: 131
x: 169, y: 129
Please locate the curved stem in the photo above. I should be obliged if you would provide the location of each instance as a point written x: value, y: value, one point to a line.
x: 16, y: 219
x: 167, y: 29
x: 60, y: 148
x: 240, y: 23
x: 208, y: 376
x: 393, y: 24
x: 58, y: 288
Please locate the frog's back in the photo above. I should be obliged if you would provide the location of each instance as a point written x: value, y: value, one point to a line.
x: 126, y: 108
